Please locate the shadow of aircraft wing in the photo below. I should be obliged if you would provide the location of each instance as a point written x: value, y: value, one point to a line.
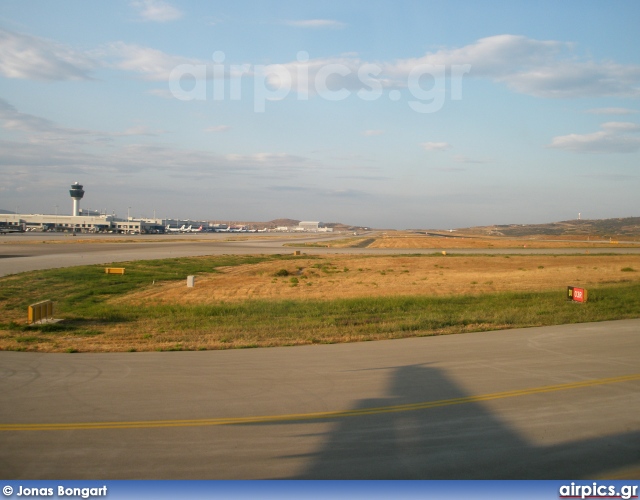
x: 451, y: 441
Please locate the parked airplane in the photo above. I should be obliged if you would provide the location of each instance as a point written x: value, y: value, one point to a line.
x: 4, y: 229
x: 170, y: 229
x: 199, y: 230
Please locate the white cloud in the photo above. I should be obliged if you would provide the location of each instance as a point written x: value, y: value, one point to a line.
x: 30, y: 57
x: 37, y: 158
x: 218, y: 128
x: 316, y: 23
x: 156, y: 10
x: 449, y: 169
x: 42, y: 145
x: 612, y: 111
x: 571, y: 79
x: 620, y: 126
x: 371, y: 133
x: 214, y: 21
x: 615, y: 137
x: 493, y: 56
x: 435, y: 146
x: 466, y: 159
x: 139, y: 130
x: 541, y: 68
x: 323, y: 76
x: 152, y: 64
x: 269, y: 160
x: 39, y: 130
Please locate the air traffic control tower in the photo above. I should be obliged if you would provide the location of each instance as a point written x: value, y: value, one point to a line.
x: 76, y: 193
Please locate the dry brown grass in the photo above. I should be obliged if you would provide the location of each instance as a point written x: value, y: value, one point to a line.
x: 413, y: 241
x: 343, y: 276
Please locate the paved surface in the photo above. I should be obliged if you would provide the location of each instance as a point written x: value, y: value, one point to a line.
x: 539, y: 403
x: 33, y: 251
x: 556, y: 402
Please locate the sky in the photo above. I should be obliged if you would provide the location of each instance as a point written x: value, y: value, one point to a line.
x: 389, y: 114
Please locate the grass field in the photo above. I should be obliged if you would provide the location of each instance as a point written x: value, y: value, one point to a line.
x: 410, y: 240
x: 393, y: 240
x: 253, y: 301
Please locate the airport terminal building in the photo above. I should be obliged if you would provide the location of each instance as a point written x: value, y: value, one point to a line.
x: 80, y: 221
x: 89, y: 221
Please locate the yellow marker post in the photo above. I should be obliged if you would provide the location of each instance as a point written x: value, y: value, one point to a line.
x: 41, y: 311
x: 114, y: 270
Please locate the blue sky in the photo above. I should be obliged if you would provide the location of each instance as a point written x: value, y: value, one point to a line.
x: 388, y: 114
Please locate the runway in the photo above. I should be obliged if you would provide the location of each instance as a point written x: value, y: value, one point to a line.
x: 555, y: 402
x: 35, y: 251
x: 30, y: 252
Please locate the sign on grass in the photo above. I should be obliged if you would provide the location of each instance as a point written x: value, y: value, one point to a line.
x: 577, y: 294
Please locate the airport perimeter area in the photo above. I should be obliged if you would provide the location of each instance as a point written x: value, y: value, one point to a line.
x: 521, y: 403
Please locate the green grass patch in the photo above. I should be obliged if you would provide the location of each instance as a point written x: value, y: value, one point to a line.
x: 261, y: 323
x: 93, y: 322
x: 81, y: 291
x: 285, y: 322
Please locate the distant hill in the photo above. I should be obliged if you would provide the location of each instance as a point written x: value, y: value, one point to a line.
x: 282, y: 223
x: 628, y: 227
x: 272, y: 224
x: 6, y: 211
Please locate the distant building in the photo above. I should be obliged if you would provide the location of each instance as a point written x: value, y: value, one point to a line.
x: 82, y: 221
x: 309, y: 226
x: 70, y: 223
x: 313, y: 227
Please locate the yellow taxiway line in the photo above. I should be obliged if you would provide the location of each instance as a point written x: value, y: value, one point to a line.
x: 149, y: 424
